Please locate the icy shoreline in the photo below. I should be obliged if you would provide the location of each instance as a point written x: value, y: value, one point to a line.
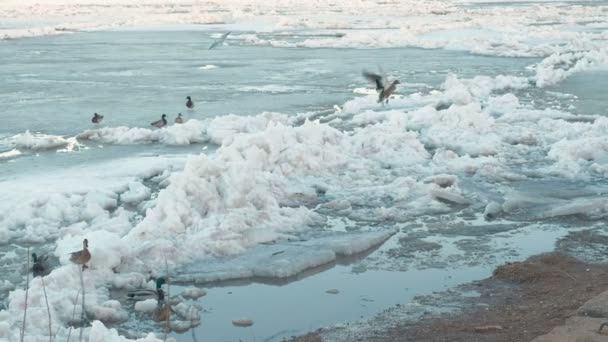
x: 207, y: 208
x: 469, y: 149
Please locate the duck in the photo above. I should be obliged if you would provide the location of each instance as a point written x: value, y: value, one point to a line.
x: 160, y: 123
x: 97, y: 118
x: 189, y: 103
x: 179, y: 119
x: 384, y: 88
x: 40, y: 265
x: 82, y: 256
x: 143, y: 294
x: 220, y: 40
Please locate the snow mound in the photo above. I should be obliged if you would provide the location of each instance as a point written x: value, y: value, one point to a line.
x: 559, y: 66
x: 190, y: 132
x: 39, y: 141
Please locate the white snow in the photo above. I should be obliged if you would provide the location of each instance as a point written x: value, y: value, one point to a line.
x: 10, y: 154
x: 559, y: 66
x: 36, y: 208
x: 137, y: 192
x: 190, y: 132
x: 147, y: 305
x: 38, y: 141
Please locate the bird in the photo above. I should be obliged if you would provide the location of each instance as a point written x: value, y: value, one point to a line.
x: 189, y: 103
x: 40, y: 265
x: 160, y: 123
x: 220, y: 40
x: 82, y: 256
x: 179, y: 118
x: 143, y: 294
x: 97, y: 118
x: 384, y: 88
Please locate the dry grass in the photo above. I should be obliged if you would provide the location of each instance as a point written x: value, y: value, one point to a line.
x: 27, y: 290
x: 82, y: 313
x: 48, y: 310
x: 168, y: 321
x: 73, y: 314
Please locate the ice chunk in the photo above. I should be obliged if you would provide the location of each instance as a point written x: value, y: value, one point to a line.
x: 147, y: 305
x: 283, y: 259
x: 137, y: 192
x: 193, y: 293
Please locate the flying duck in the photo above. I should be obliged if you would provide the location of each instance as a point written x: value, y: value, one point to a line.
x: 219, y: 41
x: 384, y: 88
x: 83, y: 256
x: 160, y: 123
x: 179, y: 118
x: 97, y: 118
x: 189, y: 103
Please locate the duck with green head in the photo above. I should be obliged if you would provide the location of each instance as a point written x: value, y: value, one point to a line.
x: 143, y: 294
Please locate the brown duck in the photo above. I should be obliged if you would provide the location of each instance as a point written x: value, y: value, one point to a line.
x: 83, y: 256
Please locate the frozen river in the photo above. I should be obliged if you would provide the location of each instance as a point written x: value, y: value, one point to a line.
x: 288, y: 179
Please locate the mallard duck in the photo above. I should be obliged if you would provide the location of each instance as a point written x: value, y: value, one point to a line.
x: 143, y: 294
x: 219, y: 41
x: 384, y: 88
x: 83, y: 256
x: 189, y: 103
x: 40, y: 265
x: 179, y: 118
x: 160, y: 123
x: 97, y: 118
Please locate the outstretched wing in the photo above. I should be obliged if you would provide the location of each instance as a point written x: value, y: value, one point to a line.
x: 220, y: 40
x: 374, y: 78
x: 224, y: 36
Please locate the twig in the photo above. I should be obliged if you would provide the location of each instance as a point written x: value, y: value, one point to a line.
x: 82, y: 312
x: 167, y: 322
x: 73, y: 314
x: 568, y: 274
x: 192, y: 325
x: 48, y: 309
x: 27, y: 290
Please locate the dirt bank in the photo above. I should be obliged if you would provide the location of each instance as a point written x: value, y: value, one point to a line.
x: 520, y: 302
